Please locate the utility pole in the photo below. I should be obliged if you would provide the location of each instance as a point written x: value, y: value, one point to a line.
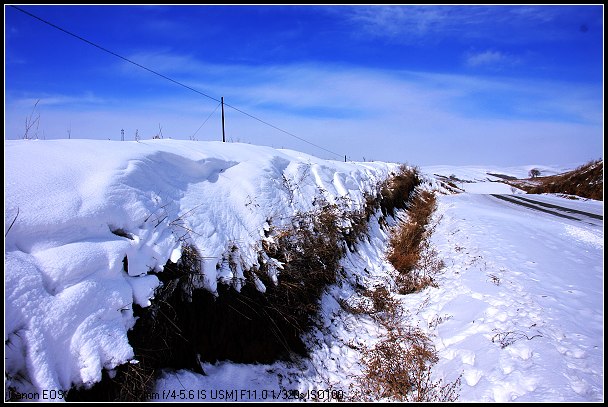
x: 223, y: 131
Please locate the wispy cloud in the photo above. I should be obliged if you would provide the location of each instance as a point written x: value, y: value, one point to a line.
x: 491, y: 58
x: 61, y: 101
x: 163, y: 61
x: 412, y: 24
x: 485, y: 58
x: 390, y: 115
x: 322, y: 90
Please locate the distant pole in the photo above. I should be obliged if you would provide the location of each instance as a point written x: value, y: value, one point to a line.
x: 223, y: 131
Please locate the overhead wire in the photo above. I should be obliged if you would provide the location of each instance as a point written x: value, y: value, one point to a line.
x: 208, y: 117
x: 171, y: 80
x: 114, y: 53
x: 284, y: 131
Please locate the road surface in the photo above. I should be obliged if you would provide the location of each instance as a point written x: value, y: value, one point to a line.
x: 557, y: 210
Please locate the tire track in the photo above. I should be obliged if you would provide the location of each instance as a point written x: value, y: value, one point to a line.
x: 527, y: 205
x: 548, y: 205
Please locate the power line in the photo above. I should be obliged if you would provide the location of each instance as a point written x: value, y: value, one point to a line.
x: 113, y: 53
x: 284, y: 131
x: 171, y: 80
x: 218, y: 105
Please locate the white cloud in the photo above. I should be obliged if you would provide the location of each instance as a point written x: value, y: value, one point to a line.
x: 485, y: 58
x: 61, y: 100
x: 407, y: 22
x: 409, y: 116
x: 500, y: 23
x: 162, y: 61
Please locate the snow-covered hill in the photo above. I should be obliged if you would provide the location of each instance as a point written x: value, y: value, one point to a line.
x: 518, y: 310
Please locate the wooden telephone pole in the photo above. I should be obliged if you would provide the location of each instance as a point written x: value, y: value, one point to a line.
x: 223, y: 131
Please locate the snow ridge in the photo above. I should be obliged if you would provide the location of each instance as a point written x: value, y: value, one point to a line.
x: 88, y: 210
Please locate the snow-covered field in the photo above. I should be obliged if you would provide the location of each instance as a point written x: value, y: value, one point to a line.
x: 521, y: 300
x: 518, y: 311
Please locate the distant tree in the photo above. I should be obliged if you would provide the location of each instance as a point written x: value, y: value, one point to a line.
x: 534, y: 172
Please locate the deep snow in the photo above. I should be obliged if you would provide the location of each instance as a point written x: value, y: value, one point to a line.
x: 518, y: 310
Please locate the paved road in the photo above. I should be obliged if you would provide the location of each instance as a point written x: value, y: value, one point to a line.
x: 556, y: 210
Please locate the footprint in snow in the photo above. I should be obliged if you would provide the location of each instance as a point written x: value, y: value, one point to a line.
x: 522, y: 351
x: 576, y: 353
x: 467, y: 357
x: 472, y: 376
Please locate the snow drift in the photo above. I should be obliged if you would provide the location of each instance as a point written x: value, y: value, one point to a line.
x: 94, y: 221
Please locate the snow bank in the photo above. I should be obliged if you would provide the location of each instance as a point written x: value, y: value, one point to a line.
x: 86, y: 210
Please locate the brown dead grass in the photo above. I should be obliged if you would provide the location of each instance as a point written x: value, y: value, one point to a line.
x: 586, y: 181
x: 409, y: 250
x: 399, y: 367
x: 397, y: 191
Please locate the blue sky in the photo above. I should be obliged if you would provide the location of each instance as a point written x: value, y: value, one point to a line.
x: 500, y: 85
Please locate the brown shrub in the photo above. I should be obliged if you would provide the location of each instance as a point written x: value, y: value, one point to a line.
x: 397, y: 190
x: 378, y: 303
x: 310, y: 251
x: 409, y: 250
x: 403, y: 249
x: 399, y: 368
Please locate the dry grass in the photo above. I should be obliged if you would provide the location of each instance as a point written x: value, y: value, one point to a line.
x: 377, y: 303
x: 586, y: 181
x: 409, y: 250
x: 399, y: 367
x: 136, y: 383
x: 310, y: 250
x: 506, y: 338
x: 397, y: 191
